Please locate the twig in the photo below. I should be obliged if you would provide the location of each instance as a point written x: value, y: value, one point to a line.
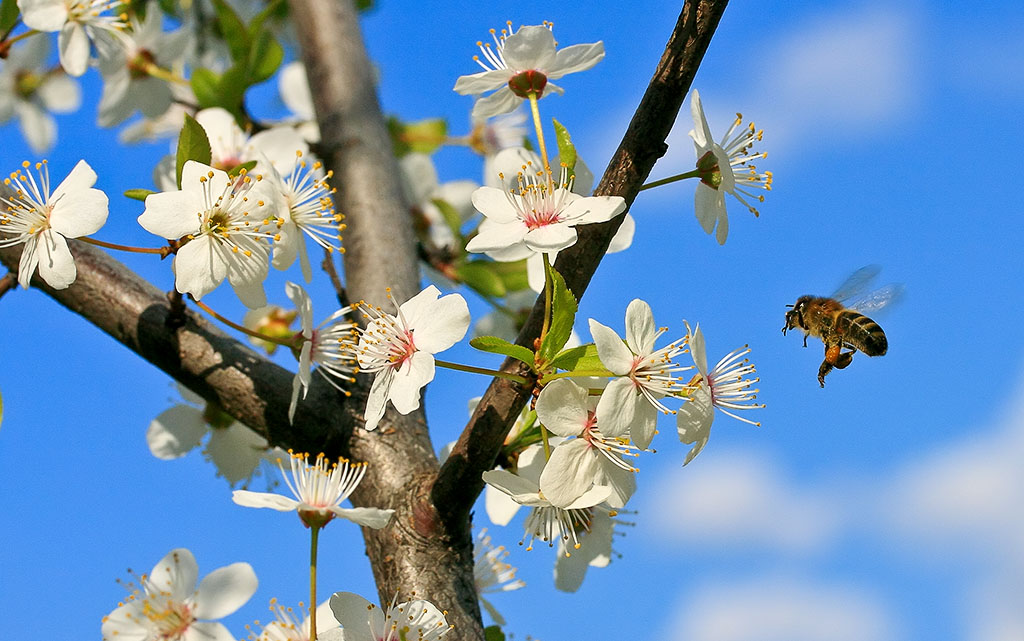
x: 459, y: 482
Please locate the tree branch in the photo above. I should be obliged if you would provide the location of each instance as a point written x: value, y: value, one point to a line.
x: 419, y: 552
x: 459, y: 482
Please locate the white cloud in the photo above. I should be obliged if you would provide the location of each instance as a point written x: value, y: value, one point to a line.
x: 834, y: 79
x: 780, y: 609
x: 732, y: 499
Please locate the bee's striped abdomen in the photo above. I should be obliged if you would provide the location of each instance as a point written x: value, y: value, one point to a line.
x: 861, y: 332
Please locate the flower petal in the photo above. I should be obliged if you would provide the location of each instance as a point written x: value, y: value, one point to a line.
x: 570, y: 472
x: 531, y: 47
x: 56, y: 265
x: 370, y: 517
x: 377, y: 399
x: 416, y: 372
x: 495, y: 205
x: 176, y: 574
x: 207, y: 631
x: 595, y: 209
x: 612, y: 351
x: 500, y: 102
x: 170, y: 215
x: 550, y: 238
x: 500, y: 237
x: 640, y: 329
x: 618, y: 408
x: 576, y: 58
x: 440, y: 324
x: 482, y: 82
x: 247, y: 498
x: 352, y: 612
x: 709, y: 205
x: 200, y: 266
x: 224, y: 590
x: 43, y: 15
x: 175, y: 432
x: 693, y: 422
x: 562, y: 408
x: 79, y: 212
x: 74, y: 49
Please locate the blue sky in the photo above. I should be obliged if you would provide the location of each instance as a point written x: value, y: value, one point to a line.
x: 884, y: 507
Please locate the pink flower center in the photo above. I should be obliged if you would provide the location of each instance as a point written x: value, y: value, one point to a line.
x: 401, y: 349
x: 537, y: 218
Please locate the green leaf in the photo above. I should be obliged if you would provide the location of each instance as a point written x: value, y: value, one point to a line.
x: 366, y: 5
x: 233, y: 30
x: 513, y: 275
x: 8, y: 15
x: 493, y: 633
x: 192, y: 145
x: 583, y: 357
x: 275, y: 9
x: 265, y: 57
x: 423, y: 136
x: 495, y: 345
x: 237, y: 169
x: 451, y: 218
x: 205, y: 85
x: 138, y: 194
x: 566, y: 150
x: 232, y: 88
x: 480, y: 276
x: 563, y: 315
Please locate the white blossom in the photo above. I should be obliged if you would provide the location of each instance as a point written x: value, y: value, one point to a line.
x: 331, y: 346
x: 127, y: 83
x: 645, y: 374
x: 416, y: 620
x: 29, y: 90
x: 724, y: 387
x: 530, y: 54
x: 400, y: 349
x: 726, y: 168
x: 588, y: 456
x: 221, y: 222
x: 318, y: 488
x: 81, y: 23
x: 166, y: 605
x: 42, y: 220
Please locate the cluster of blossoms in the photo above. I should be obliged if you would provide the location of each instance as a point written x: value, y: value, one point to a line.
x: 166, y: 605
x: 247, y: 206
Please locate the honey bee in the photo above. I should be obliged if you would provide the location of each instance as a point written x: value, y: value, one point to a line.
x: 837, y: 320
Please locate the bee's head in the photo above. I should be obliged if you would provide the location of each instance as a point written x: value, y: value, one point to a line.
x: 795, y: 316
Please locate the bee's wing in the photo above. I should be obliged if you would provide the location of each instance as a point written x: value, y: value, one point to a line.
x: 880, y: 298
x: 857, y: 283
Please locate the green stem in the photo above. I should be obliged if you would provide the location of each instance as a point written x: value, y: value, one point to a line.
x: 665, y: 181
x: 544, y: 441
x: 166, y: 75
x: 481, y: 370
x: 289, y: 343
x: 312, y: 581
x: 603, y: 373
x: 549, y: 286
x: 540, y: 138
x: 5, y: 45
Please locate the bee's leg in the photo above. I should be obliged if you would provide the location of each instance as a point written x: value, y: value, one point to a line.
x: 844, y: 359
x: 805, y: 340
x: 833, y: 356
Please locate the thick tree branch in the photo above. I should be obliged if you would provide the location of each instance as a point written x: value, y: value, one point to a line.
x: 197, y: 354
x: 459, y: 482
x: 419, y: 552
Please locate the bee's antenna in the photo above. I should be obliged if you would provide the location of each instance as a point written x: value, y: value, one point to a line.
x: 790, y: 305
